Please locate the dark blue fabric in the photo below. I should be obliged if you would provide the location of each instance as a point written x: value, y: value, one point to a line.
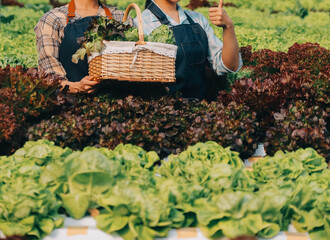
x: 191, y: 59
x: 69, y: 46
x: 147, y: 4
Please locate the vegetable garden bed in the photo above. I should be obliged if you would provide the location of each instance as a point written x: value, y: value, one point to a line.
x: 206, y: 186
x: 280, y: 99
x: 86, y: 229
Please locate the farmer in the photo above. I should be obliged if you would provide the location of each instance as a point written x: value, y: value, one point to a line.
x: 56, y: 34
x: 198, y: 47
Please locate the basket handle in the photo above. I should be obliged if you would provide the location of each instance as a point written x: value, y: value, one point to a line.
x: 140, y: 21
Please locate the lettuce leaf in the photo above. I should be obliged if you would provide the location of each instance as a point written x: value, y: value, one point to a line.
x: 28, y: 208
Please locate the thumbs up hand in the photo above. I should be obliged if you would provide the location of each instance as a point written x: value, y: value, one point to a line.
x: 220, y: 4
x: 219, y: 17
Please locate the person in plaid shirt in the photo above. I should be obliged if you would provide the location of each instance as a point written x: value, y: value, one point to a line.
x: 56, y: 34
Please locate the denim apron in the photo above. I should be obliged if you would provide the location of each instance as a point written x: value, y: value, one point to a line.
x: 191, y: 59
x: 69, y: 45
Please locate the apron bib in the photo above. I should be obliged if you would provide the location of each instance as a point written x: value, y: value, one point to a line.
x: 69, y: 45
x: 191, y: 59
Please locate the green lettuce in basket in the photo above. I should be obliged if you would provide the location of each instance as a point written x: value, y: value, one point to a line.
x: 111, y: 30
x: 162, y: 34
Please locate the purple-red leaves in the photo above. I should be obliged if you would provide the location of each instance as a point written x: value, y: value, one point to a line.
x: 284, y: 103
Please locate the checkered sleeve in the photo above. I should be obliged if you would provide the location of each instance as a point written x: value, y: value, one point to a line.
x: 49, y: 31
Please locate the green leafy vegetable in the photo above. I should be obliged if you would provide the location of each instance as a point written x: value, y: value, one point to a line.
x: 235, y: 214
x: 291, y: 165
x: 101, y: 29
x: 42, y: 152
x: 27, y: 208
x: 132, y: 35
x: 162, y: 34
x: 198, y: 160
x: 205, y: 186
x: 134, y: 213
x: 134, y: 156
x: 81, y: 179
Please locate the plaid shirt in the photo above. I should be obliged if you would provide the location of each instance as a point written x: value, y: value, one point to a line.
x: 50, y: 32
x: 151, y: 22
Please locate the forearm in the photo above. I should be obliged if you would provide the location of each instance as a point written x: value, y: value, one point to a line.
x: 230, y: 50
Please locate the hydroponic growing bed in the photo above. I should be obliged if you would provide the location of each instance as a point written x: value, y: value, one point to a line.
x: 66, y: 157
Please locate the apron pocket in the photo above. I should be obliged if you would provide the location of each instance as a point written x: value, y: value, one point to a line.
x: 194, y: 52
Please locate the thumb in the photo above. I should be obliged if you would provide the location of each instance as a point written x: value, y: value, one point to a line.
x: 220, y: 4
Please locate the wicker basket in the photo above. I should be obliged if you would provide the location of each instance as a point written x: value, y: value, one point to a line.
x: 141, y: 66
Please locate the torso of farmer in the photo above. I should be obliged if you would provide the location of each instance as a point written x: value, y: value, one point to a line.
x: 69, y: 45
x: 191, y: 59
x: 191, y: 56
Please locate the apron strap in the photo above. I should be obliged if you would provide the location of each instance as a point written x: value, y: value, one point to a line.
x: 158, y: 13
x: 161, y: 16
x: 72, y: 10
x: 189, y: 18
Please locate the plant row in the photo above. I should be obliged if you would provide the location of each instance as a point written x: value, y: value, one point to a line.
x: 296, y: 7
x: 128, y: 193
x: 279, y: 99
